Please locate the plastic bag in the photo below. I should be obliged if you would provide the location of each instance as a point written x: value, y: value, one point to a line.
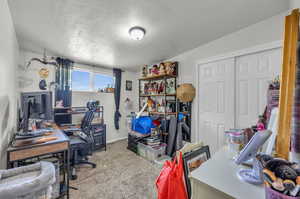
x: 142, y: 125
x: 170, y: 182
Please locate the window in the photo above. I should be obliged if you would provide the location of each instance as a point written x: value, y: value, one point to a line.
x: 103, y: 81
x: 80, y: 80
x: 83, y: 80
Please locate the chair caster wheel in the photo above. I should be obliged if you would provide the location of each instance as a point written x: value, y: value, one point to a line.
x: 73, y: 177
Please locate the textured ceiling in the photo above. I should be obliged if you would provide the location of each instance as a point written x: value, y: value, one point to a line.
x: 96, y: 31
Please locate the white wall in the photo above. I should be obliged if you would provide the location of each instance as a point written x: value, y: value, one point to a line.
x: 266, y: 31
x: 9, y: 51
x: 294, y: 3
x: 29, y: 82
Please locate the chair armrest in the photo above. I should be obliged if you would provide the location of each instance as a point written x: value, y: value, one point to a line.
x: 72, y: 130
x: 66, y: 125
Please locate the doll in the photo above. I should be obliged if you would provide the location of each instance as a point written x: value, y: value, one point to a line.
x: 146, y: 88
x: 168, y: 69
x: 154, y: 70
x: 172, y: 69
x: 151, y: 104
x: 162, y: 70
x: 167, y: 87
x: 168, y: 65
x: 171, y: 87
x: 154, y: 88
x: 150, y: 88
x: 158, y: 107
x: 149, y: 72
x: 144, y: 71
x: 161, y: 88
x: 260, y: 124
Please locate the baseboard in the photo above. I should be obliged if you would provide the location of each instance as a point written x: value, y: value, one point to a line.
x: 116, y: 140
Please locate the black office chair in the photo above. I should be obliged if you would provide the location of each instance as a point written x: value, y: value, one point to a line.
x: 82, y: 140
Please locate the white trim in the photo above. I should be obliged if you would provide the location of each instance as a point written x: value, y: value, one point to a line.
x: 234, y: 54
x: 258, y: 48
x: 197, y: 137
x: 116, y: 140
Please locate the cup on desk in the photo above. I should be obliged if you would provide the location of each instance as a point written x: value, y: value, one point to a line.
x: 235, y: 140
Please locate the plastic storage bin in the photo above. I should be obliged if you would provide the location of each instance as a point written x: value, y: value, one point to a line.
x: 153, y: 153
x: 272, y: 194
x: 142, y: 150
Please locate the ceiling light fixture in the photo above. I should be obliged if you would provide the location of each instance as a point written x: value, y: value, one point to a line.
x: 137, y: 33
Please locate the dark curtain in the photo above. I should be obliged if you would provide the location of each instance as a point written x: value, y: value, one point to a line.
x: 63, y: 79
x: 117, y: 94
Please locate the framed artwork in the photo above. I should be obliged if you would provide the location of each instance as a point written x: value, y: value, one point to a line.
x: 193, y: 160
x: 128, y: 86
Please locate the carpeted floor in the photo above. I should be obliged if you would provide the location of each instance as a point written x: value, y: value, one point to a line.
x: 120, y: 174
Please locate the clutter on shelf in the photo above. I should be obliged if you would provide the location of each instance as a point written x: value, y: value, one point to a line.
x: 157, y: 93
x: 159, y: 105
x: 158, y: 87
x: 164, y: 68
x: 108, y: 89
x: 150, y: 135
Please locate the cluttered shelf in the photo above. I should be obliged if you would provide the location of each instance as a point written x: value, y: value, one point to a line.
x: 153, y: 130
x: 156, y: 95
x: 157, y: 77
x: 167, y: 113
x: 160, y: 113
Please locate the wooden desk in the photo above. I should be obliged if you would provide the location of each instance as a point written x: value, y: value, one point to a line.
x: 217, y: 179
x: 58, y: 147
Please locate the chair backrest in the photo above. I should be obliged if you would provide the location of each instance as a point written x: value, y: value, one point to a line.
x: 87, y: 119
x: 89, y: 115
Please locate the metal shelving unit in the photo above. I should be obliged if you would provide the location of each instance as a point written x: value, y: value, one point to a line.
x: 167, y: 97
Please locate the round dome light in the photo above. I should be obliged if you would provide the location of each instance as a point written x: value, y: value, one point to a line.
x: 137, y: 33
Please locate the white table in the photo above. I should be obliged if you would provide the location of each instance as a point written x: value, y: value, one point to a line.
x: 217, y: 178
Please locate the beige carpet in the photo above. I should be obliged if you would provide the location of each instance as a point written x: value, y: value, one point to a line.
x: 120, y: 174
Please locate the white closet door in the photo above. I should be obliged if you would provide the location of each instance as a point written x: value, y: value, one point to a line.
x: 253, y: 73
x: 216, y: 102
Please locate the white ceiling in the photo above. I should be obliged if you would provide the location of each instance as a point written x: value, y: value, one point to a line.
x: 96, y: 31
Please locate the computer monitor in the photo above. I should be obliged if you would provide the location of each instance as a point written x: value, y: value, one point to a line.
x: 36, y: 105
x: 254, y: 175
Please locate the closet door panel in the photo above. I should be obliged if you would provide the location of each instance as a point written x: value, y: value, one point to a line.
x: 253, y: 74
x: 216, y: 102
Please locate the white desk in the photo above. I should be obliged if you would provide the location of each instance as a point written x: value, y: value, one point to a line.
x: 216, y: 178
